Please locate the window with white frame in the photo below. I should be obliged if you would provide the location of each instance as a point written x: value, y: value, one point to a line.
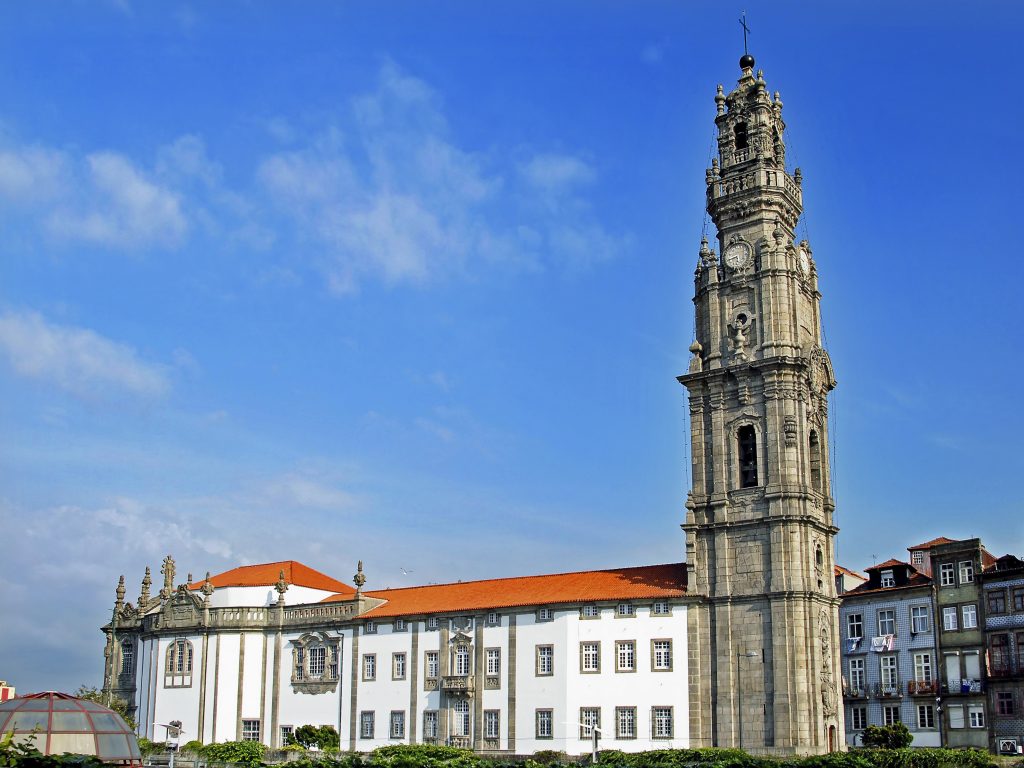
x: 969, y: 614
x: 854, y: 626
x: 400, y: 625
x: 397, y: 730
x: 919, y: 619
x: 492, y: 657
x: 366, y: 725
x: 317, y: 661
x: 976, y: 715
x: 590, y: 656
x: 545, y: 718
x: 431, y: 665
x: 625, y: 656
x: 890, y: 678
x: 625, y: 610
x: 590, y: 718
x: 493, y: 619
x: 661, y: 608
x: 398, y: 666
x: 858, y: 718
x: 430, y: 724
x: 127, y: 657
x: 625, y: 722
x: 887, y: 621
x: 178, y: 667
x: 923, y: 667
x: 947, y: 575
x: 369, y: 666
x: 250, y: 730
x: 966, y: 571
x: 888, y: 579
x: 545, y: 659
x: 917, y: 557
x: 956, y: 715
x: 661, y: 723
x: 287, y: 735
x: 370, y: 627
x: 461, y: 660
x: 661, y: 655
x: 891, y: 714
x: 925, y: 716
x: 433, y: 622
x: 492, y: 723
x: 545, y: 614
x: 590, y: 612
x: 949, y: 622
x: 857, y: 675
x: 460, y: 718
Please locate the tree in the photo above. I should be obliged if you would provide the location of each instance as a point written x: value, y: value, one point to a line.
x: 109, y: 700
x: 895, y: 736
x: 322, y: 736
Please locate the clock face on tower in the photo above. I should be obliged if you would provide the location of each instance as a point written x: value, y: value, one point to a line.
x: 737, y: 255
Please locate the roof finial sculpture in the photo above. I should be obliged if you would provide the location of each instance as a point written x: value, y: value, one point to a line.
x: 119, y: 592
x: 167, y: 569
x: 359, y: 579
x: 207, y: 588
x: 147, y: 581
x: 281, y: 587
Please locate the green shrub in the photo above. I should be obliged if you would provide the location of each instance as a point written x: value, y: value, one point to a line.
x: 147, y: 747
x: 320, y: 736
x: 194, y: 747
x: 243, y: 752
x: 293, y: 747
x: 895, y: 736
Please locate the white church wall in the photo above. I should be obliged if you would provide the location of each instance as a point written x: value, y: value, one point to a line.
x: 237, y: 597
x: 226, y: 688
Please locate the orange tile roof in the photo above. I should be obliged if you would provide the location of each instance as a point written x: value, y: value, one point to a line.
x: 933, y: 543
x: 267, y: 574
x: 644, y: 582
x: 887, y: 564
x: 839, y: 569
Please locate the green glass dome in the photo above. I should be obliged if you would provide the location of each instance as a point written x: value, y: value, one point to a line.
x: 56, y: 723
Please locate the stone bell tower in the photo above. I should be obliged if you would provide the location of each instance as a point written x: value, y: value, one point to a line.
x: 759, y: 532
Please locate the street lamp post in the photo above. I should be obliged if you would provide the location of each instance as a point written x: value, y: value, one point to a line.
x: 740, y: 655
x: 938, y: 718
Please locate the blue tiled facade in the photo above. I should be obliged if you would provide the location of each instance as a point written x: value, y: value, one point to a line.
x: 1003, y: 593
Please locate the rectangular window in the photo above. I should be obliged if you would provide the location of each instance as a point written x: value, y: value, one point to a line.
x: 625, y: 722
x: 956, y: 715
x: 492, y: 724
x: 857, y: 675
x: 590, y: 612
x: 661, y: 723
x: 317, y: 661
x: 590, y: 718
x: 969, y: 614
x: 888, y: 579
x: 972, y: 666
x: 949, y: 618
x: 545, y: 718
x: 370, y: 628
x: 890, y: 678
x: 431, y: 665
x: 366, y: 725
x: 250, y: 730
x: 127, y: 659
x: 625, y: 656
x: 625, y: 610
x: 887, y: 622
x: 286, y: 735
x: 544, y: 614
x: 492, y: 657
x: 398, y: 666
x: 891, y: 714
x: 923, y: 667
x: 917, y: 557
x: 1018, y: 598
x: 747, y: 441
x: 493, y: 619
x: 1020, y: 651
x: 919, y: 620
x: 430, y: 724
x: 1004, y: 703
x: 545, y: 659
x: 966, y: 572
x: 460, y: 718
x: 999, y: 655
x: 460, y: 659
x: 854, y: 626
x: 947, y: 577
x: 369, y: 666
x: 925, y: 716
x: 397, y: 725
x: 660, y: 608
x: 997, y: 601
x: 661, y: 655
x: 859, y: 718
x: 433, y: 622
x: 400, y: 625
x: 590, y: 657
x: 976, y: 715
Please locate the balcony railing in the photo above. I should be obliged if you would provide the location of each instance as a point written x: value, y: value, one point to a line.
x: 887, y: 690
x: 963, y: 686
x: 457, y: 683
x: 922, y: 687
x: 855, y: 692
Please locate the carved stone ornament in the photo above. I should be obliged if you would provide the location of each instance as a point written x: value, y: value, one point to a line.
x: 360, y: 578
x: 789, y: 427
x: 168, y: 570
x: 739, y: 330
x: 820, y: 381
x: 828, y: 686
x: 316, y: 661
x: 696, y: 363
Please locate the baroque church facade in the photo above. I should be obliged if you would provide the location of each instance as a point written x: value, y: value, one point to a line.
x: 735, y: 647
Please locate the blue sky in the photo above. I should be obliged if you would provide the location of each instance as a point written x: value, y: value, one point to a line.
x: 411, y: 283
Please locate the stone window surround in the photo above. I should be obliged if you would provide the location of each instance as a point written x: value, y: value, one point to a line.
x: 489, y: 653
x: 493, y: 619
x: 595, y: 609
x: 544, y: 715
x: 400, y: 625
x: 397, y: 717
x: 544, y: 650
x: 736, y: 480
x: 430, y: 724
x: 667, y: 605
x: 654, y: 655
x: 302, y: 680
x: 251, y: 729
x: 398, y: 665
x: 597, y: 722
x: 671, y: 722
x: 366, y: 718
x: 619, y: 733
x: 368, y: 667
x: 622, y: 644
x: 625, y: 610
x: 492, y: 717
x: 178, y: 663
x: 583, y: 666
x: 545, y: 614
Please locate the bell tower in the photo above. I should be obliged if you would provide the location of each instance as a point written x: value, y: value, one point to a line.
x: 759, y: 530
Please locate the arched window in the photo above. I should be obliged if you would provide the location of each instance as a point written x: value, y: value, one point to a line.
x: 460, y: 659
x: 747, y: 439
x: 315, y: 658
x: 127, y: 657
x: 178, y: 668
x: 740, y: 134
x: 815, y: 457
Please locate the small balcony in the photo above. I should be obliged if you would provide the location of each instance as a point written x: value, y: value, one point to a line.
x: 922, y: 687
x: 887, y: 690
x: 855, y: 692
x: 963, y: 687
x: 462, y: 742
x: 457, y: 683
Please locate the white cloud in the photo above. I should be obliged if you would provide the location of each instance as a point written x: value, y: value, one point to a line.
x: 121, y: 207
x: 76, y: 359
x: 302, y: 490
x: 30, y: 174
x: 552, y: 173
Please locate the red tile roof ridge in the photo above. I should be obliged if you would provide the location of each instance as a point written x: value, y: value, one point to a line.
x: 296, y: 572
x: 888, y: 564
x: 934, y: 542
x: 844, y: 569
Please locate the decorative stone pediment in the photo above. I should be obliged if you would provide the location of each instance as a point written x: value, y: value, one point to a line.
x: 316, y: 661
x: 183, y: 609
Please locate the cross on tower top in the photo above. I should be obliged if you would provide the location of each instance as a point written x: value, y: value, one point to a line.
x: 746, y: 31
